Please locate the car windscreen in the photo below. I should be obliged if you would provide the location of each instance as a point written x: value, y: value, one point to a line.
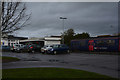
x: 55, y: 46
x: 17, y: 45
x: 63, y: 46
x: 38, y: 46
x: 51, y: 46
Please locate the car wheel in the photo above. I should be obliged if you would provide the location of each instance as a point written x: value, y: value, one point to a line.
x: 68, y: 51
x: 20, y: 51
x: 33, y: 51
x: 44, y: 52
x: 55, y: 52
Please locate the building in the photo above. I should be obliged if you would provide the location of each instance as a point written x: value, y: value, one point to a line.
x: 43, y: 41
x: 52, y: 40
x: 9, y: 40
x: 4, y: 41
x: 15, y: 40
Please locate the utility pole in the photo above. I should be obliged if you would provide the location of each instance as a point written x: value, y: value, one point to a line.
x: 63, y: 18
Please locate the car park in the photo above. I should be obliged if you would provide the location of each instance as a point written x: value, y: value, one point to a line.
x: 59, y: 48
x: 29, y: 48
x: 45, y: 48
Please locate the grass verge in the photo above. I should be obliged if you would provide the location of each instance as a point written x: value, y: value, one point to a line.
x: 9, y: 59
x: 51, y: 73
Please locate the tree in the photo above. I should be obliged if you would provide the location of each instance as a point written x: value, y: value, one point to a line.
x: 116, y: 34
x: 68, y: 36
x: 82, y: 36
x: 13, y: 16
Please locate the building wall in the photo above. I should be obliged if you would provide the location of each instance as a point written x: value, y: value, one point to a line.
x: 43, y: 41
x: 11, y: 42
x: 51, y: 42
x: 7, y: 42
x: 46, y: 41
x: 4, y: 42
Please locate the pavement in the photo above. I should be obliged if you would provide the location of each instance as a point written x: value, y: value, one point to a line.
x: 99, y: 63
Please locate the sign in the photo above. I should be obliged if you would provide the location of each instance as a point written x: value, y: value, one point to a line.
x: 91, y: 46
x: 2, y: 43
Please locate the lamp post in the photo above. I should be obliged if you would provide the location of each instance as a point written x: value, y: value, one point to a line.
x: 63, y: 18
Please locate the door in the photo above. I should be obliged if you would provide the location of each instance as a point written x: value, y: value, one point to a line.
x: 91, y: 45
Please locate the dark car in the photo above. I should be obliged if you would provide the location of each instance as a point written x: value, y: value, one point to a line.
x: 34, y: 48
x: 5, y: 48
x: 58, y: 48
x: 29, y: 48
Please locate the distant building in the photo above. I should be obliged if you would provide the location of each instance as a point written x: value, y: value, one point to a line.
x: 52, y: 40
x: 43, y: 41
x: 4, y: 41
x: 9, y: 40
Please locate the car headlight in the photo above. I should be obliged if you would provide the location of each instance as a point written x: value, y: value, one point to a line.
x: 51, y: 49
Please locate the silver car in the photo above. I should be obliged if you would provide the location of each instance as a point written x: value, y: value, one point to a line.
x: 15, y: 46
x: 45, y: 48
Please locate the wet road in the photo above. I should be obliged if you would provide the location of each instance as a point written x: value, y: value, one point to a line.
x: 103, y: 64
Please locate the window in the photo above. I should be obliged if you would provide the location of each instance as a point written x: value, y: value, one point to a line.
x: 11, y: 44
x: 110, y: 42
x: 100, y: 43
x: 55, y: 46
x: 105, y: 42
x: 82, y: 43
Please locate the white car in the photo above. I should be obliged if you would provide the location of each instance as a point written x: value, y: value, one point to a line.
x: 45, y: 48
x: 15, y: 46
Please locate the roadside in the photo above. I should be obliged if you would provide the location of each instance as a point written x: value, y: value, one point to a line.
x: 102, y: 64
x: 9, y: 59
x: 46, y: 73
x: 101, y: 53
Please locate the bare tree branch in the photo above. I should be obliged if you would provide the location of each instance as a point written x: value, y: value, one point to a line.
x: 14, y: 16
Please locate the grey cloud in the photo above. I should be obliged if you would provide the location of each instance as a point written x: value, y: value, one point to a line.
x: 93, y: 17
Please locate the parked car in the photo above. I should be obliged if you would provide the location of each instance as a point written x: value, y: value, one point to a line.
x: 59, y: 48
x: 45, y: 48
x: 15, y: 46
x: 5, y: 48
x: 29, y: 48
x: 34, y: 48
x: 21, y: 48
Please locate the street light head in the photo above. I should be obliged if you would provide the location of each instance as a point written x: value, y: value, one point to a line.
x: 64, y: 18
x: 61, y: 18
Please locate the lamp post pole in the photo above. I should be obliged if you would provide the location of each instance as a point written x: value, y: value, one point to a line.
x: 63, y: 18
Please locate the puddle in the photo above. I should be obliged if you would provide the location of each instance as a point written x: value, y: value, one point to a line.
x: 33, y: 59
x: 64, y: 62
x: 60, y: 61
x: 53, y: 60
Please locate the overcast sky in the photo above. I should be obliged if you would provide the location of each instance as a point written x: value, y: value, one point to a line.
x: 96, y: 18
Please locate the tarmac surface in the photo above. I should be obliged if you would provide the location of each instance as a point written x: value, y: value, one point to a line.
x: 99, y: 63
